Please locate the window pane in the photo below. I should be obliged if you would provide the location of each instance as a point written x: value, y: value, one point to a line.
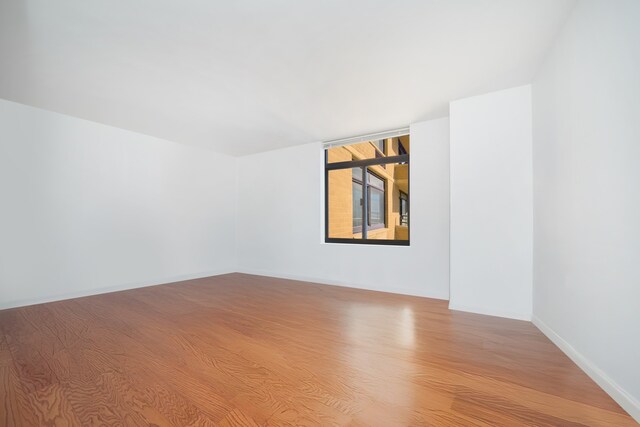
x: 376, y: 207
x: 375, y: 181
x: 344, y: 211
x: 357, y: 174
x: 357, y: 205
x: 404, y: 209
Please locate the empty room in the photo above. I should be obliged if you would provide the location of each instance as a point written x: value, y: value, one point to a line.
x: 320, y: 213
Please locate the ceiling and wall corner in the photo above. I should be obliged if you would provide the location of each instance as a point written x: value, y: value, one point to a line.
x: 247, y: 76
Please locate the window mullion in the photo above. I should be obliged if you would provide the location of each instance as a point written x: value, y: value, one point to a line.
x: 368, y: 162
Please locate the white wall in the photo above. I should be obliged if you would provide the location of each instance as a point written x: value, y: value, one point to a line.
x: 491, y: 203
x: 86, y: 208
x: 586, y: 115
x: 280, y: 221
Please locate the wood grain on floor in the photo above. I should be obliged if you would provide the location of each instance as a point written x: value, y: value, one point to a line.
x: 243, y: 350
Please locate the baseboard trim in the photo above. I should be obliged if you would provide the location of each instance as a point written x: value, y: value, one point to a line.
x: 624, y: 399
x: 399, y: 291
x: 117, y: 288
x: 490, y: 312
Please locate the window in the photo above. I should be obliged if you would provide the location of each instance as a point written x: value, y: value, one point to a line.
x: 376, y: 205
x: 404, y: 209
x: 367, y: 192
x: 356, y: 199
x: 375, y: 200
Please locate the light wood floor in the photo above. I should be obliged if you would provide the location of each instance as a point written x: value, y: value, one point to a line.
x: 241, y: 350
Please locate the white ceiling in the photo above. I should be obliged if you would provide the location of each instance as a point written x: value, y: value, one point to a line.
x: 242, y: 76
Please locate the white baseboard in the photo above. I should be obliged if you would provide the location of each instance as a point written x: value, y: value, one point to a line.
x: 104, y: 290
x: 179, y: 278
x: 490, y: 312
x: 624, y: 399
x: 400, y: 291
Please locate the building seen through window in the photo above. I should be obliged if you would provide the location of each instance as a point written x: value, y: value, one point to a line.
x: 367, y: 192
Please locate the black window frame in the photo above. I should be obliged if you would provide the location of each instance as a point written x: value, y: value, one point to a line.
x: 364, y: 164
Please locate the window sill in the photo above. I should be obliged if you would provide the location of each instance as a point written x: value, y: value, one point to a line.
x: 373, y: 242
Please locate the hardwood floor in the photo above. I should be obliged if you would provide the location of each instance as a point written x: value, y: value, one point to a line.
x: 242, y: 350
